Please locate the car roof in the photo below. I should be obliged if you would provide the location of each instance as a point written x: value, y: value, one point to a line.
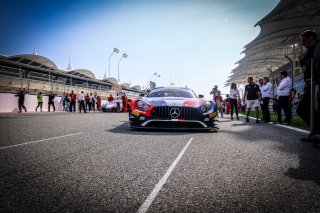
x: 173, y: 88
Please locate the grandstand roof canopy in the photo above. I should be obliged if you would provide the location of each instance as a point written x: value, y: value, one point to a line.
x: 138, y: 87
x: 112, y: 80
x: 82, y: 73
x: 279, y: 37
x: 34, y: 60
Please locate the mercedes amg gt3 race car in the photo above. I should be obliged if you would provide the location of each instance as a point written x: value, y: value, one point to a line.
x: 173, y: 108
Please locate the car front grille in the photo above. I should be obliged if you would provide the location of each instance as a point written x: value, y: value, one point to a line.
x: 185, y: 112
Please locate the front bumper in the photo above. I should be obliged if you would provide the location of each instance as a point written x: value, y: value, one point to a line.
x: 145, y: 122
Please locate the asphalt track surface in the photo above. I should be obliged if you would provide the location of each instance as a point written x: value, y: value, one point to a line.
x: 71, y: 162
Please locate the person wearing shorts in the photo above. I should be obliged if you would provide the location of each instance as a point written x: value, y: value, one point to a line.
x: 218, y: 99
x: 252, y: 96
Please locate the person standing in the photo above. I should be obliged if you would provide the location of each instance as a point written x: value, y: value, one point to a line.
x: 233, y: 98
x: 124, y: 102
x: 73, y: 98
x: 99, y: 103
x: 217, y: 98
x: 252, y: 96
x: 266, y: 94
x: 93, y: 101
x: 81, y: 102
x: 21, y: 96
x: 283, y: 92
x: 51, y: 101
x: 260, y: 100
x: 88, y: 103
x: 118, y: 104
x: 40, y: 101
x: 309, y: 40
x: 67, y: 102
x: 227, y: 104
x: 63, y: 101
x: 110, y: 98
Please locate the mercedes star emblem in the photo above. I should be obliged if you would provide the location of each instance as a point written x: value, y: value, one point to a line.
x: 174, y: 112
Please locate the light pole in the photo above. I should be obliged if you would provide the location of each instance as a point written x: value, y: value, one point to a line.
x: 115, y: 50
x: 148, y: 82
x: 123, y: 56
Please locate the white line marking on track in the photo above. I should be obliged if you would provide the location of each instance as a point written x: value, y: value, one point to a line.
x: 288, y: 127
x: 6, y: 147
x: 293, y: 128
x: 145, y: 206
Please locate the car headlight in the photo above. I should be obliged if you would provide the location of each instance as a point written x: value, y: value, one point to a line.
x: 206, y: 107
x: 142, y: 105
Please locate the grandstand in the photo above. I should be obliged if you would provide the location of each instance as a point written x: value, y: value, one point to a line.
x: 38, y: 73
x: 277, y: 46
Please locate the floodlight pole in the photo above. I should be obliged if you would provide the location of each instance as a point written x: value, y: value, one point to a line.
x: 115, y: 50
x: 123, y: 56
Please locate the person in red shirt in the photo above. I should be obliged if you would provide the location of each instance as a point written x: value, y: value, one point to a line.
x: 99, y: 103
x: 73, y: 99
x: 110, y: 98
x: 124, y: 102
x: 129, y: 105
x: 227, y: 104
x: 88, y: 103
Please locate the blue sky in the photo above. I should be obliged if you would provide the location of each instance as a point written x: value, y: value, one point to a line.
x: 193, y: 43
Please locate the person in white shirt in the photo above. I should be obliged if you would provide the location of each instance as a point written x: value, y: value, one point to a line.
x: 233, y: 97
x: 81, y: 102
x: 283, y: 92
x: 266, y: 94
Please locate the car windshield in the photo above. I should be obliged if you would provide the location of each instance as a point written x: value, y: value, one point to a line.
x: 115, y: 101
x: 183, y: 93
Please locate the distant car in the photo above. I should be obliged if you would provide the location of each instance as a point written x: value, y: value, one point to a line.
x: 112, y: 106
x: 173, y: 107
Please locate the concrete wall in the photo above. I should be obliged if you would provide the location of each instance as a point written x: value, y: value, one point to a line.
x: 9, y: 103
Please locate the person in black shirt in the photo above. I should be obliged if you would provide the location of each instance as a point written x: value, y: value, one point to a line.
x: 310, y: 40
x: 51, y: 101
x: 21, y: 95
x: 252, y: 96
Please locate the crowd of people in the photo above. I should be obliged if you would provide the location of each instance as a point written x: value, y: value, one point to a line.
x: 258, y: 95
x: 69, y: 101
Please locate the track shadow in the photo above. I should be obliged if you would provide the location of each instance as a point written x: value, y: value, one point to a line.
x: 124, y: 128
x: 283, y: 140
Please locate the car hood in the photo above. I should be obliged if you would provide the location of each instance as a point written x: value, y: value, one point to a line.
x: 175, y: 101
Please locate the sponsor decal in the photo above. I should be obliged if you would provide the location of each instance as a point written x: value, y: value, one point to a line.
x: 135, y: 113
x: 212, y: 115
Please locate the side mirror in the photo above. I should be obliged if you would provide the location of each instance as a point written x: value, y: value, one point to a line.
x: 200, y: 96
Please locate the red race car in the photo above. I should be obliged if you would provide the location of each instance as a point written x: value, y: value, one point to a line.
x: 173, y: 108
